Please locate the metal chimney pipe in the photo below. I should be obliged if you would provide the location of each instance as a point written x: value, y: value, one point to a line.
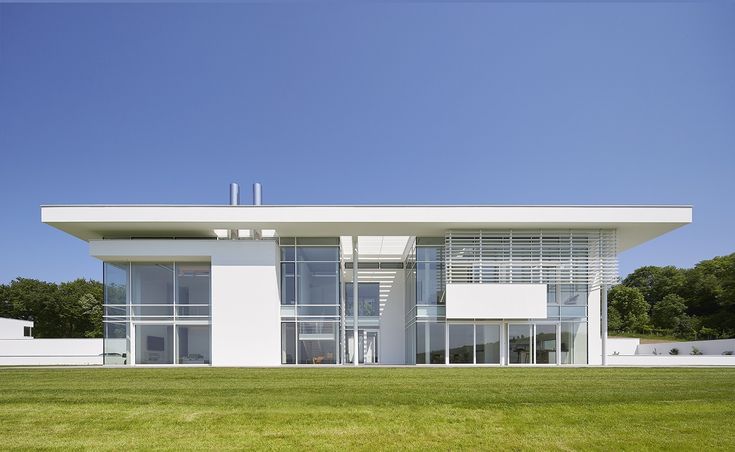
x: 234, y: 194
x: 257, y: 194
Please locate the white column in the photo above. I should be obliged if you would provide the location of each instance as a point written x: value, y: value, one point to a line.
x: 342, y: 306
x: 603, y: 323
x: 355, y: 285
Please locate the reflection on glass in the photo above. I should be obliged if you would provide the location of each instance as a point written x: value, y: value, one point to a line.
x: 519, y: 344
x: 573, y: 343
x: 318, y: 342
x: 154, y: 344
x: 429, y: 253
x: 430, y: 343
x: 116, y: 282
x: 115, y: 343
x: 152, y: 283
x: 368, y: 299
x: 573, y: 295
x: 288, y: 253
x: 193, y: 344
x: 318, y: 283
x: 487, y: 347
x: 288, y: 283
x: 461, y: 343
x: 317, y: 253
x: 545, y: 344
x: 429, y: 283
x: 288, y: 343
x: 192, y: 283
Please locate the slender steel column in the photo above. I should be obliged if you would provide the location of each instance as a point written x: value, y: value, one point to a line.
x: 342, y: 306
x: 355, y: 259
x: 603, y: 323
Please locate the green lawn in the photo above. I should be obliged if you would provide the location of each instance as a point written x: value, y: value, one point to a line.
x: 369, y: 408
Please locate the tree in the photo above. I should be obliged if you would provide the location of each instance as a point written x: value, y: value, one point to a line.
x: 657, y: 282
x: 631, y: 307
x: 72, y: 309
x: 670, y: 312
x: 614, y: 321
x: 710, y: 292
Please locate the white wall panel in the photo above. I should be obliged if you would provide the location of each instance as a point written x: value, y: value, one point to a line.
x: 496, y: 301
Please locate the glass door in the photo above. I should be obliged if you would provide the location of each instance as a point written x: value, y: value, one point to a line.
x: 545, y: 344
x: 519, y: 343
x: 367, y: 346
x: 530, y: 343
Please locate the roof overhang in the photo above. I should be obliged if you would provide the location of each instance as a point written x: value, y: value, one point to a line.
x: 634, y: 224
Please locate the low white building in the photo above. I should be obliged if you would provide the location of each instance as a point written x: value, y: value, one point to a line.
x: 257, y: 285
x: 15, y: 329
x: 18, y: 347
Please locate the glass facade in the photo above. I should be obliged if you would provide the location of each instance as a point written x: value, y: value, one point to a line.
x: 430, y: 347
x: 157, y: 313
x: 368, y: 299
x: 487, y: 344
x: 310, y: 300
x: 461, y: 343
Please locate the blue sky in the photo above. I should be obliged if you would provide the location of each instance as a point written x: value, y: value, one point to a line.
x: 422, y: 103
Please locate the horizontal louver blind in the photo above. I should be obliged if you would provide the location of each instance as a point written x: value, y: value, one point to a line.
x: 531, y: 256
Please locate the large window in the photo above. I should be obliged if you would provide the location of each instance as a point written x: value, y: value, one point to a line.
x: 430, y: 343
x: 317, y: 282
x: 163, y: 307
x: 193, y: 344
x: 519, y: 344
x: 116, y: 343
x: 461, y: 343
x: 288, y: 343
x: 429, y: 270
x: 487, y: 344
x: 154, y: 344
x: 368, y: 299
x: 115, y: 275
x: 545, y: 344
x: 318, y: 342
x: 192, y: 289
x: 152, y: 290
x: 573, y: 343
x: 310, y: 300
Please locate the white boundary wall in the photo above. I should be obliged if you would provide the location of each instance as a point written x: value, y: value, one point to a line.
x: 714, y: 347
x: 622, y: 345
x: 50, y: 352
x: 671, y: 360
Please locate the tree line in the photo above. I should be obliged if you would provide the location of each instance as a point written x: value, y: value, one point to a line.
x: 688, y: 303
x: 68, y: 309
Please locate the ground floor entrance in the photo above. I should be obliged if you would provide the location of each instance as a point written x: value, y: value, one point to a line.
x: 367, y: 345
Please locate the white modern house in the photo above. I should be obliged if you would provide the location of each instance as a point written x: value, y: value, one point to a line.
x: 265, y: 285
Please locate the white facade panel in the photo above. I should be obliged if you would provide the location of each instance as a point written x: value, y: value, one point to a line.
x: 391, y: 348
x: 496, y: 301
x: 594, y: 333
x: 246, y: 328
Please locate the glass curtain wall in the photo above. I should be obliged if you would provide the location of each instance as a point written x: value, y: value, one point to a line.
x: 116, y: 326
x: 426, y: 325
x: 310, y: 300
x: 164, y: 306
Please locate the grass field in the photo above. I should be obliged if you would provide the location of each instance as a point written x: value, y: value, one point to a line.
x: 368, y: 408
